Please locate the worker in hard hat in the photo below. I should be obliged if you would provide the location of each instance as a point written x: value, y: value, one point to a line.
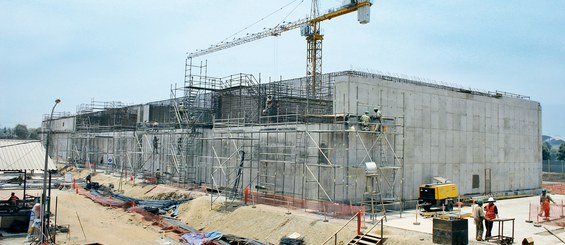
x: 479, y: 216
x: 491, y: 213
x: 365, y: 119
x: 378, y: 118
x: 544, y: 200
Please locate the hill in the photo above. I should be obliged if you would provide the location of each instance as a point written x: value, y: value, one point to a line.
x: 554, y: 141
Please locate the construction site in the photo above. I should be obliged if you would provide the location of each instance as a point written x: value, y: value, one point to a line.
x: 302, y: 142
x: 303, y: 147
x: 327, y: 143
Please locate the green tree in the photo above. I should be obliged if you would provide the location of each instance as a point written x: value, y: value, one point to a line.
x: 561, y: 152
x: 21, y: 131
x: 7, y: 133
x: 546, y: 151
x: 34, y: 133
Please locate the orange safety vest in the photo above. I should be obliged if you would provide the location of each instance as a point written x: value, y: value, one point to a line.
x: 489, y: 214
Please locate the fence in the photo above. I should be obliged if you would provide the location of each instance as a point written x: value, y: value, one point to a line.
x: 556, y: 215
x: 321, y: 207
x: 554, y: 166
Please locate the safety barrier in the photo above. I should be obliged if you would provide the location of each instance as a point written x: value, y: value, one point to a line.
x: 337, y: 210
x: 555, y: 216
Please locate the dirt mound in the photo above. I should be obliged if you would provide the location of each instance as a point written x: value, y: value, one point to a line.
x: 264, y: 223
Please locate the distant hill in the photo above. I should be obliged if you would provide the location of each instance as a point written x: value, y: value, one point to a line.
x: 554, y: 141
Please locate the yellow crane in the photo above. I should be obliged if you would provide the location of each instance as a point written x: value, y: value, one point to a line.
x: 310, y: 28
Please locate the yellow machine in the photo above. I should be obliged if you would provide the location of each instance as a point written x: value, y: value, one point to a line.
x: 438, y: 194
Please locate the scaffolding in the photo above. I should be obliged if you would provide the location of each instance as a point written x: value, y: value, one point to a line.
x: 312, y: 166
x: 227, y: 134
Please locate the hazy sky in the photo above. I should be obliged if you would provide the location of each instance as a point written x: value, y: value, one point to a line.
x: 133, y: 51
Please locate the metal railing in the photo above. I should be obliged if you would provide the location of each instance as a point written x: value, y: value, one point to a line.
x: 373, y: 227
x: 357, y: 215
x: 334, y: 235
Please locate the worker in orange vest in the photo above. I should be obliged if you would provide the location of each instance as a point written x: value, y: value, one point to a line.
x: 544, y: 203
x: 491, y: 212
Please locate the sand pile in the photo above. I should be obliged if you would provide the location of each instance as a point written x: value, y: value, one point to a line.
x: 263, y: 223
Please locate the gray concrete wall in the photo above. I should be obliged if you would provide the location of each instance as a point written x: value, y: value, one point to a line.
x: 454, y: 134
x: 445, y: 133
x: 288, y: 160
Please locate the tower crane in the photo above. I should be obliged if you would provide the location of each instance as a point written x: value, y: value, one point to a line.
x: 310, y: 28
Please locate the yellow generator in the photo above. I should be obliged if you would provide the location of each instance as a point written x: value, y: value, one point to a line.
x: 435, y: 195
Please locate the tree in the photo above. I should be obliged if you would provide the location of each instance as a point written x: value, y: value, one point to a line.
x: 7, y: 133
x: 21, y: 131
x: 561, y: 152
x: 34, y: 133
x: 546, y: 151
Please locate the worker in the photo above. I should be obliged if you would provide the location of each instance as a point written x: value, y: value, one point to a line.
x: 269, y: 106
x: 269, y: 102
x: 34, y: 221
x: 20, y: 179
x: 155, y: 145
x: 479, y: 216
x: 88, y: 179
x: 378, y: 118
x: 365, y: 121
x: 13, y: 199
x: 192, y: 122
x: 491, y: 213
x: 544, y: 200
x: 179, y: 145
x: 158, y: 177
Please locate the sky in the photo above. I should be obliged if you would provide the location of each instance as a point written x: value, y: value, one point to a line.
x: 134, y: 51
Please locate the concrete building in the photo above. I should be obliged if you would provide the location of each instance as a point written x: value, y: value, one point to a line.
x: 294, y: 145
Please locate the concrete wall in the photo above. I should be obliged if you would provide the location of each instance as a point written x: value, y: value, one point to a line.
x: 455, y: 134
x: 288, y: 160
x: 441, y: 132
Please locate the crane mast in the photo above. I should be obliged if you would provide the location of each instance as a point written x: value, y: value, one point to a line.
x: 310, y: 28
x: 313, y: 50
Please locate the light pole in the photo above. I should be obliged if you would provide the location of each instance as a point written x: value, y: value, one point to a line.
x: 45, y: 170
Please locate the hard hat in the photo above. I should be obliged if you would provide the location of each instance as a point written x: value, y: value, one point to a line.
x: 366, y: 112
x: 543, y: 190
x: 490, y: 199
x: 480, y: 201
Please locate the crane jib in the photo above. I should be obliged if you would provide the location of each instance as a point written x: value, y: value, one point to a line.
x: 277, y: 30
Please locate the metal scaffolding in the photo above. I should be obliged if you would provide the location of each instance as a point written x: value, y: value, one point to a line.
x: 232, y: 133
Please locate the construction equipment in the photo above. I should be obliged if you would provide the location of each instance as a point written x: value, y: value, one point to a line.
x: 436, y: 195
x: 310, y: 28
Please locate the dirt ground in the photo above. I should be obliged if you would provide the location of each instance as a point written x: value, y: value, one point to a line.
x: 92, y: 223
